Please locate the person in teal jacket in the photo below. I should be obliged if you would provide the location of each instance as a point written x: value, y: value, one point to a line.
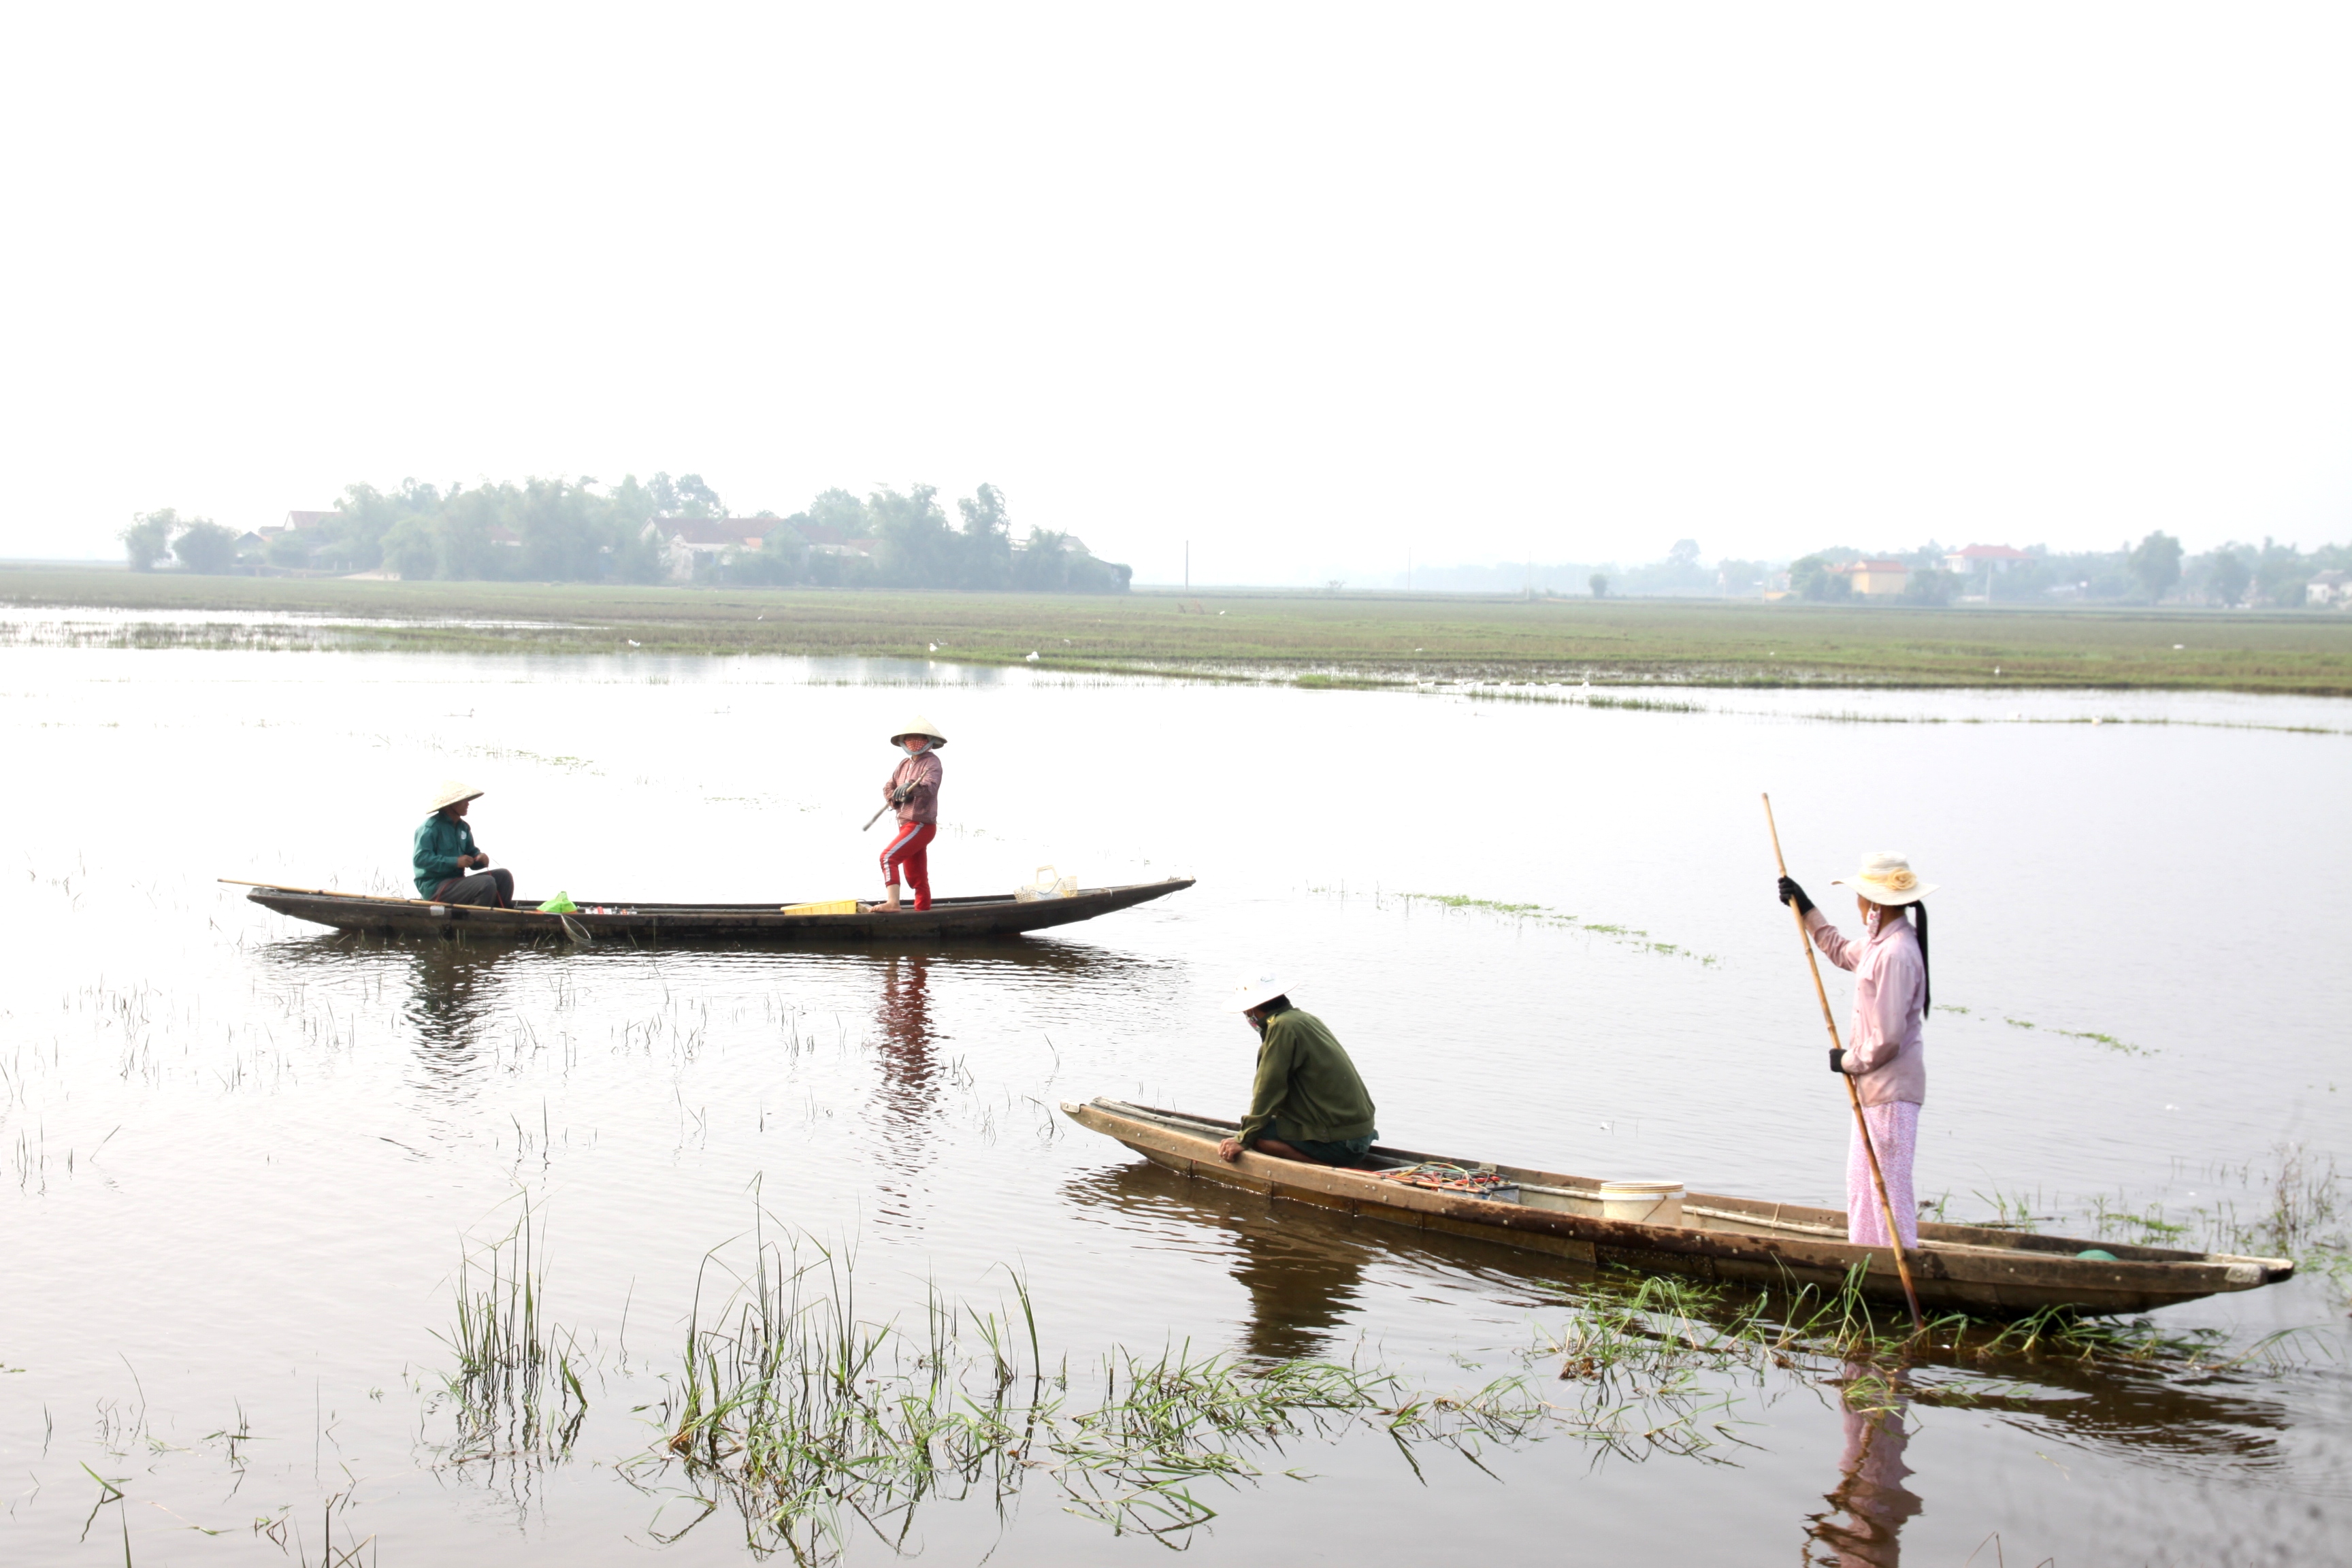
x: 445, y: 852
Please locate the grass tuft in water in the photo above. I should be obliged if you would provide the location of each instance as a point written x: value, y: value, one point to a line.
x: 517, y: 1388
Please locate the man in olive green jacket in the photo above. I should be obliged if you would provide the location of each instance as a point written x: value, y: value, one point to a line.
x: 1307, y: 1103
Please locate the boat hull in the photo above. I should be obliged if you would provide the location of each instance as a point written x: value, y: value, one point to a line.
x: 688, y: 924
x: 1739, y: 1241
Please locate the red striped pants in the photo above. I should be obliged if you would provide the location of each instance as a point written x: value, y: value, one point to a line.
x: 908, y: 850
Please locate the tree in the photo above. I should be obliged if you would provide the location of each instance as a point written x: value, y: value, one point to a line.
x: 1930, y: 585
x: 409, y: 549
x: 687, y: 495
x: 1813, y: 577
x: 1599, y: 583
x: 205, y: 546
x: 2226, y: 576
x: 987, y: 540
x: 288, y: 548
x: 149, y: 537
x: 2155, y: 564
x: 914, y: 546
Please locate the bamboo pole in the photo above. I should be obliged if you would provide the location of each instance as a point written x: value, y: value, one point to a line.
x: 1861, y: 1124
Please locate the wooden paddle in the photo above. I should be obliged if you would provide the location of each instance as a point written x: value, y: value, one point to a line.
x: 1861, y: 1123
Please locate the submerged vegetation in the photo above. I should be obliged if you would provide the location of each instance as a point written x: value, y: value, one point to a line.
x: 1539, y: 915
x: 811, y: 1423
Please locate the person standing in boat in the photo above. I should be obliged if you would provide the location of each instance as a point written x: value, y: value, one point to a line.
x: 444, y: 852
x: 914, y: 788
x: 1307, y: 1103
x: 1883, y: 1053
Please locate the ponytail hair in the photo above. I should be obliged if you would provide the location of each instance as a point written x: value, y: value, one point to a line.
x: 1927, y: 975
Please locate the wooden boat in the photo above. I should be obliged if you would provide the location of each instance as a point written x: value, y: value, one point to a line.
x: 599, y: 919
x: 1743, y: 1241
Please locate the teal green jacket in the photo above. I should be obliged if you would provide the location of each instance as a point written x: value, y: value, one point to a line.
x: 1305, y: 1080
x: 439, y: 841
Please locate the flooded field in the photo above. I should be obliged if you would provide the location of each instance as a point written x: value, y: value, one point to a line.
x: 323, y: 1250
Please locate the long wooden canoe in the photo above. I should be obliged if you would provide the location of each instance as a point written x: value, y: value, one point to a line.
x: 625, y: 922
x: 1746, y: 1241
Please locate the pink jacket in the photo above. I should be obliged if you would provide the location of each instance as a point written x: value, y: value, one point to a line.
x: 1883, y: 1044
x: 924, y: 770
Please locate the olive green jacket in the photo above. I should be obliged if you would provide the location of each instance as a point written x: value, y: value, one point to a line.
x: 1305, y: 1078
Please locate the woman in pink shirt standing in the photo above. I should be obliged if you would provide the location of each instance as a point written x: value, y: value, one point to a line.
x: 1883, y: 1049
x: 914, y: 788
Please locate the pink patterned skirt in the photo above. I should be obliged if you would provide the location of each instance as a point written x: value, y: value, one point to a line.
x: 1895, y: 1130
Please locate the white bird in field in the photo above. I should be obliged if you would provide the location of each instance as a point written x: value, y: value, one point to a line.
x: 634, y: 643
x: 935, y: 647
x: 1033, y: 656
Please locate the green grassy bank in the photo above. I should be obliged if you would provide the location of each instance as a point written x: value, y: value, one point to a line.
x: 1705, y: 643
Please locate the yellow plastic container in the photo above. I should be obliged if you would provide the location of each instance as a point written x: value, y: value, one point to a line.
x: 831, y: 906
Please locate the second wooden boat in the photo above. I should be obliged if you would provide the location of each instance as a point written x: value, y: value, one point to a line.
x: 1745, y: 1241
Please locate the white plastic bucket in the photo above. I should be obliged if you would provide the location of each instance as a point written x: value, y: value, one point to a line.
x: 1643, y: 1203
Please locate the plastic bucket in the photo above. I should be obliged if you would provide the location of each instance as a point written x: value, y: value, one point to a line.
x: 1643, y: 1203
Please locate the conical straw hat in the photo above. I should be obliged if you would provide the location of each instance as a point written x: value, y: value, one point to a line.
x: 918, y: 726
x: 450, y: 792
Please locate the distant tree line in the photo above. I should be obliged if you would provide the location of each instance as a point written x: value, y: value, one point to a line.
x: 2155, y: 570
x: 575, y: 530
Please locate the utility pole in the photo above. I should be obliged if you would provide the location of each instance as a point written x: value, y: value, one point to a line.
x: 1188, y: 566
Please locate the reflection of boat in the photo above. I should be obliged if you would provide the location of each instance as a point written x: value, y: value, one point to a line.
x: 1960, y: 1268
x: 998, y: 915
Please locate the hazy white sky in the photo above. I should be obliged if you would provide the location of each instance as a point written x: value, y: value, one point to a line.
x: 1306, y: 285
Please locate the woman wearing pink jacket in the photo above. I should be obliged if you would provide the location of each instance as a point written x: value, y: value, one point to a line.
x: 1884, y: 1048
x: 914, y: 788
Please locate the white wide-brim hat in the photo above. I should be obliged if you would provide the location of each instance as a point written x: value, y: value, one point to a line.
x: 450, y: 792
x: 918, y: 726
x: 1886, y: 877
x: 1257, y: 986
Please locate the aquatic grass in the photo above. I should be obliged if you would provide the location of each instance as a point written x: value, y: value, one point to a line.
x: 815, y: 1423
x: 517, y: 1388
x: 1539, y: 914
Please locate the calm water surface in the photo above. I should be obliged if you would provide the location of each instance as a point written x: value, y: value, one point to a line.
x: 242, y: 1160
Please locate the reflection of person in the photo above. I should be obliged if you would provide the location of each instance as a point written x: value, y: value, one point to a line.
x: 1870, y: 1491
x: 914, y: 789
x: 443, y: 853
x: 1883, y: 1053
x: 1301, y: 1284
x: 1307, y: 1102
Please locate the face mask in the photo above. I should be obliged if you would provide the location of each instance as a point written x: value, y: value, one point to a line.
x: 915, y: 748
x: 1877, y: 918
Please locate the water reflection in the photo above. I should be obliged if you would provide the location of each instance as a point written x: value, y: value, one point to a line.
x: 908, y: 1064
x: 1863, y: 1524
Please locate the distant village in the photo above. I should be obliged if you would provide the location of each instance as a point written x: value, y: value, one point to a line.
x: 675, y: 531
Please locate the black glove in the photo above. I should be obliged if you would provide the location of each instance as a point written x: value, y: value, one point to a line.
x: 1792, y: 894
x: 1837, y: 1059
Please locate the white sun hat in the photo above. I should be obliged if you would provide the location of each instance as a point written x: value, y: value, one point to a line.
x: 450, y: 792
x: 918, y: 726
x: 1258, y: 985
x: 1886, y: 877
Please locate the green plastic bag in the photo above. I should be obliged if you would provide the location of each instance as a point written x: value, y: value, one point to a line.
x: 560, y: 904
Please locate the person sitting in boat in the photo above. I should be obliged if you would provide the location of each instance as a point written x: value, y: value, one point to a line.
x: 1884, y: 1048
x: 445, y: 852
x: 1307, y: 1103
x: 914, y: 788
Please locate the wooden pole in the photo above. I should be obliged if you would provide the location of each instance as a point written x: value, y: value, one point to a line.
x: 371, y: 898
x: 1861, y: 1123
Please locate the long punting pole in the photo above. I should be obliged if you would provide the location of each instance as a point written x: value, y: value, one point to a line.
x: 1860, y: 1125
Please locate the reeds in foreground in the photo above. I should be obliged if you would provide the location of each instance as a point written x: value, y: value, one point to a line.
x: 516, y: 1389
